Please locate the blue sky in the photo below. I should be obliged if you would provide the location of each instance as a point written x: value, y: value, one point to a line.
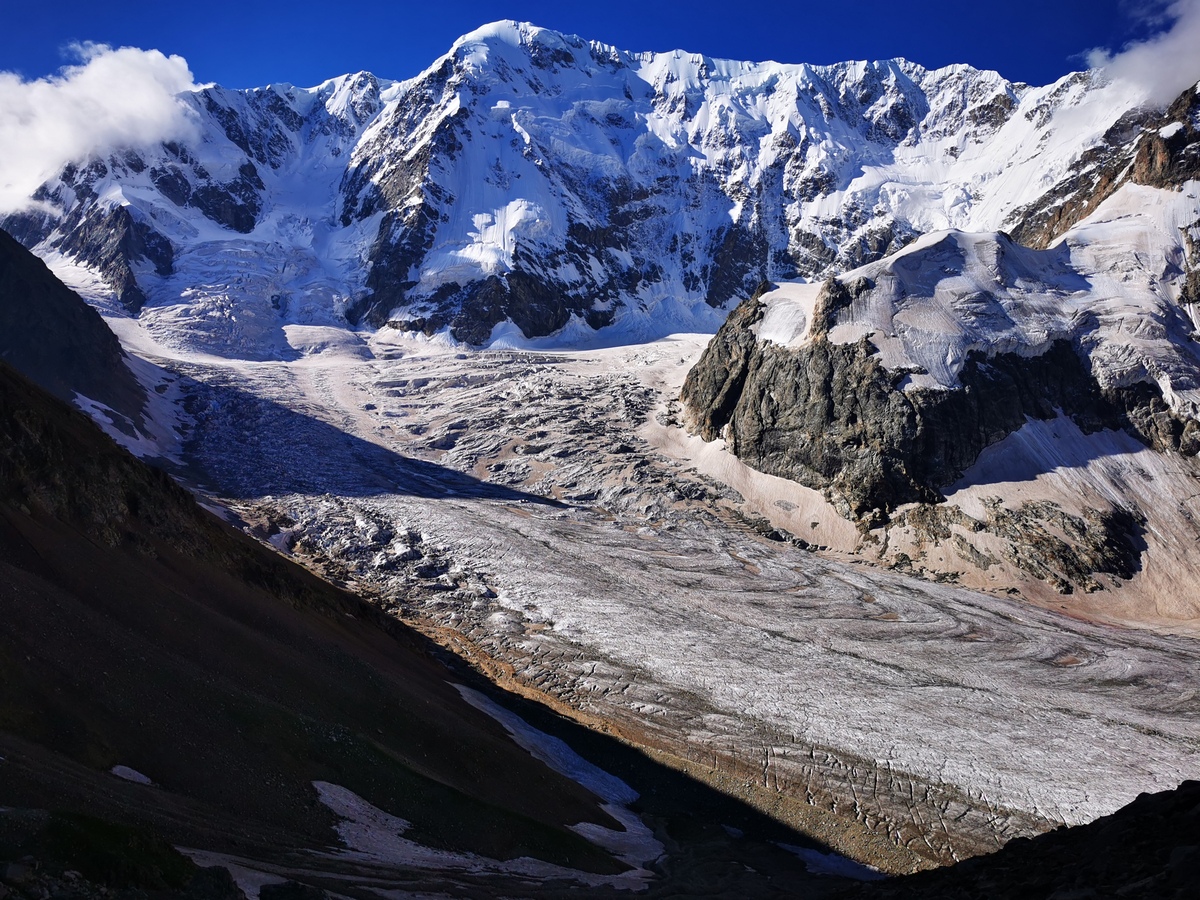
x: 243, y: 44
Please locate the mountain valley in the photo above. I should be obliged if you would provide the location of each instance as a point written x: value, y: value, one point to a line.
x: 813, y: 449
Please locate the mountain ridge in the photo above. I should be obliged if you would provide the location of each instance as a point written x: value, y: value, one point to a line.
x: 532, y: 184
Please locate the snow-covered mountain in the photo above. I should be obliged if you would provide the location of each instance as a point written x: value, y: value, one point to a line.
x: 948, y: 345
x: 531, y: 183
x: 1002, y: 252
x: 1006, y: 390
x: 960, y: 309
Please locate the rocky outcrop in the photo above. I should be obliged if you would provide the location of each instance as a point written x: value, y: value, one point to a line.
x: 1091, y: 180
x: 114, y: 240
x: 1144, y: 147
x: 472, y: 312
x: 1039, y: 538
x: 831, y: 416
x: 1169, y: 152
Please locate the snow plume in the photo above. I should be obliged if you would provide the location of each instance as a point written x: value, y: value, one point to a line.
x: 108, y: 100
x: 1162, y: 66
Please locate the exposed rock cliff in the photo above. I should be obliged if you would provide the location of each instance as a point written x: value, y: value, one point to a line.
x: 1141, y: 147
x: 886, y: 385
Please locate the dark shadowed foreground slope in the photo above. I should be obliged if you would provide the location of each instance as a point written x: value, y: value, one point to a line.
x: 1148, y: 849
x: 142, y: 632
x: 51, y: 336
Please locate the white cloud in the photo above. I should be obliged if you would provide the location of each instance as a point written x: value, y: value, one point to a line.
x: 110, y: 99
x: 1162, y: 66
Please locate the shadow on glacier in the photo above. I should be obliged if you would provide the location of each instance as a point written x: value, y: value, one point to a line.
x: 1042, y: 446
x: 713, y: 835
x: 1014, y: 267
x: 244, y: 446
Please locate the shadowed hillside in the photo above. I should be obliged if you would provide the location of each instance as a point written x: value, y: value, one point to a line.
x: 54, y: 338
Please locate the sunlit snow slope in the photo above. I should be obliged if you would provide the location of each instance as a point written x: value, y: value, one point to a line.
x: 531, y: 183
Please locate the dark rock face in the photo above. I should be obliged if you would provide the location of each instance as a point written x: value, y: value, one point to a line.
x: 235, y: 205
x: 258, y: 125
x: 1095, y: 177
x: 831, y: 417
x: 740, y: 261
x: 113, y: 239
x: 828, y: 416
x: 1170, y: 161
x: 88, y: 858
x: 471, y: 312
x: 53, y: 337
x: 1190, y: 292
x: 1064, y: 550
x: 1148, y: 850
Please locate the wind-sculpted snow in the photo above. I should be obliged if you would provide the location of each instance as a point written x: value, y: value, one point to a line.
x: 536, y: 181
x: 659, y: 601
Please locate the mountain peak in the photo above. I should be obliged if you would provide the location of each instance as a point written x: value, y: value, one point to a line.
x: 509, y: 31
x: 535, y: 179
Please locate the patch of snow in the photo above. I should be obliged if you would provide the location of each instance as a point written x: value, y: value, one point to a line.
x: 138, y: 443
x: 128, y: 774
x: 789, y: 313
x: 371, y: 834
x: 833, y: 864
x: 636, y: 845
x: 310, y: 340
x: 363, y: 827
x: 507, y: 336
x: 249, y: 879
